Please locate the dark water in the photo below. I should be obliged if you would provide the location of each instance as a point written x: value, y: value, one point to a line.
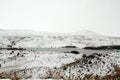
x: 83, y: 51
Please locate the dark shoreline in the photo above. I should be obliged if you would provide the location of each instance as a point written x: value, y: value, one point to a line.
x: 12, y: 49
x: 109, y: 47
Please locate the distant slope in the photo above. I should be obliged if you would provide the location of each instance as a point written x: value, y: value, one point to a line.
x: 29, y: 38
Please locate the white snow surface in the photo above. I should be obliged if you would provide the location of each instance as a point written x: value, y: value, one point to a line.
x: 42, y: 64
x: 36, y: 59
x: 24, y: 38
x: 48, y: 64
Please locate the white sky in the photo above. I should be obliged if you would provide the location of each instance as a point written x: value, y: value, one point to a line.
x: 102, y: 16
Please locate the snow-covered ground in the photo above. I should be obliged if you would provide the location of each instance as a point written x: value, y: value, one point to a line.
x: 52, y: 64
x: 47, y: 64
x: 29, y: 59
x: 47, y: 40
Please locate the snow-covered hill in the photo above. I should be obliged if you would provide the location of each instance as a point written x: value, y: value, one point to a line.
x: 33, y: 63
x: 43, y: 65
x: 29, y: 38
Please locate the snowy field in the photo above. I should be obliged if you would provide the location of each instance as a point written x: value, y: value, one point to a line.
x: 44, y: 56
x: 36, y: 64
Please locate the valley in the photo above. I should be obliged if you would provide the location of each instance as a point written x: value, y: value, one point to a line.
x: 84, y: 55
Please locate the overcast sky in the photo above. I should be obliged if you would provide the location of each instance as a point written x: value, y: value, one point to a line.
x: 102, y: 16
